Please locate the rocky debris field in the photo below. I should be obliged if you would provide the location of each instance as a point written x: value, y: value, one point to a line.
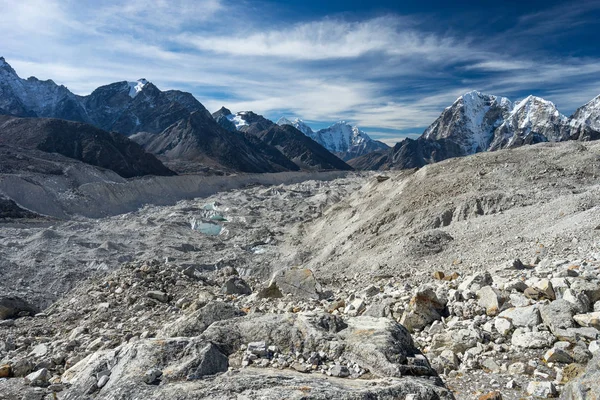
x: 156, y: 329
x: 236, y: 297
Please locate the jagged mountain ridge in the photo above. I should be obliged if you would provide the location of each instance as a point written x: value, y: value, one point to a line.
x: 172, y: 123
x: 478, y: 122
x: 294, y: 144
x: 124, y: 107
x: 195, y: 139
x: 342, y: 139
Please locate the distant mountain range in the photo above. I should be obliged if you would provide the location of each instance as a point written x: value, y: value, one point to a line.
x: 292, y: 142
x: 479, y: 122
x: 342, y: 139
x: 185, y: 137
x: 170, y: 124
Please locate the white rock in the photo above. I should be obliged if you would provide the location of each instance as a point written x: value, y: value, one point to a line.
x: 541, y: 389
x: 588, y: 320
x: 503, y: 326
x: 532, y: 340
x: 522, y: 316
x: 102, y: 381
x: 39, y: 351
x: 38, y: 378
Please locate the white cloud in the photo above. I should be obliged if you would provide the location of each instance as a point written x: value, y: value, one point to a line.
x: 333, y: 39
x: 381, y: 72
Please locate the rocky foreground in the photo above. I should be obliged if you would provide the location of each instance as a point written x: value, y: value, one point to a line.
x: 249, y: 305
x: 155, y: 330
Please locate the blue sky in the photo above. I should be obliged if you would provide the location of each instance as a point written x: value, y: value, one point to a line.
x: 389, y: 66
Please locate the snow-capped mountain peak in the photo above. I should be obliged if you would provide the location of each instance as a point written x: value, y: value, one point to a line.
x: 587, y: 115
x: 136, y: 87
x: 298, y: 124
x: 284, y: 121
x: 471, y: 120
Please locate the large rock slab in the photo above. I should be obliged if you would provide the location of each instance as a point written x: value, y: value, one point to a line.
x: 254, y: 383
x: 298, y: 282
x: 380, y: 345
x: 197, y: 322
x: 522, y: 316
x: 178, y: 359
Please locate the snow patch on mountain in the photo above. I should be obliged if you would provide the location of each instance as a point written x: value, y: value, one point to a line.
x: 237, y: 119
x: 136, y: 87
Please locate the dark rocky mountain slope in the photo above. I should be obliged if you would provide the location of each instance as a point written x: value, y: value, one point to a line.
x: 82, y: 142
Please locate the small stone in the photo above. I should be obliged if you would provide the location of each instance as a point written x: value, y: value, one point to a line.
x: 257, y: 348
x: 39, y: 378
x: 300, y: 367
x: 588, y: 320
x: 339, y: 371
x: 152, y: 376
x: 439, y: 275
x: 495, y: 395
x: 541, y: 389
x: 5, y: 370
x: 503, y: 326
x: 157, y: 295
x: 102, y: 381
x: 558, y: 355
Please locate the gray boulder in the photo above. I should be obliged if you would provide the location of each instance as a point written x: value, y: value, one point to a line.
x: 558, y: 315
x: 236, y: 285
x: 522, y: 316
x: 197, y: 322
x: 423, y: 309
x: 298, y: 282
x: 532, y: 340
x: 12, y: 306
x: 178, y: 359
x: 379, y: 345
